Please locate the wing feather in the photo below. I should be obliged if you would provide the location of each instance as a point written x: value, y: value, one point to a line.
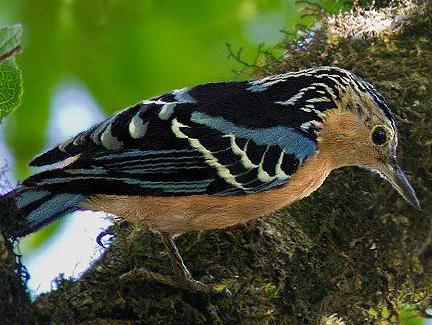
x: 221, y: 139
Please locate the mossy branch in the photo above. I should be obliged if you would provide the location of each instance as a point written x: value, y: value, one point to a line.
x: 15, y: 305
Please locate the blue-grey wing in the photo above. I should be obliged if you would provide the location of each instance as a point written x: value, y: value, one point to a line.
x: 220, y: 139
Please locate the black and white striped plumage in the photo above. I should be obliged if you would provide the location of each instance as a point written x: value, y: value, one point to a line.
x: 217, y: 138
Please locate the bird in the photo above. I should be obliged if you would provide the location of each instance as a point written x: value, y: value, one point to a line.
x: 216, y: 155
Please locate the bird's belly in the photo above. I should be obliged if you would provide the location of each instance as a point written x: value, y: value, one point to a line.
x: 177, y: 215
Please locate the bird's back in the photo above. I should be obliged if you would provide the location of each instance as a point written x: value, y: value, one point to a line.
x: 222, y: 138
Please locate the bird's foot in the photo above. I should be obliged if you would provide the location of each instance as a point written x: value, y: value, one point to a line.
x: 187, y: 283
x: 198, y: 286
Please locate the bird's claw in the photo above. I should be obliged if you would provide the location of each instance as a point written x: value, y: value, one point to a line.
x: 184, y: 283
x: 198, y: 286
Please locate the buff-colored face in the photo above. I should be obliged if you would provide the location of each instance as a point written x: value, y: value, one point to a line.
x: 361, y: 135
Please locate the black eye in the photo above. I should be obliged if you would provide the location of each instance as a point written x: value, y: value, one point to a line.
x: 379, y: 135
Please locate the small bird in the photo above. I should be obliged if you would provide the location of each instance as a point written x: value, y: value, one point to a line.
x: 216, y: 155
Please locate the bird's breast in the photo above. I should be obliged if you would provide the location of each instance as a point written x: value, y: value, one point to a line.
x: 177, y: 215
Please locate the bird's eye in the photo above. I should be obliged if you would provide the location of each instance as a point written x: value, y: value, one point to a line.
x: 379, y: 135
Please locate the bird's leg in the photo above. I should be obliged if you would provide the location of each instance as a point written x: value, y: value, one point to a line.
x: 182, y: 273
x: 183, y: 277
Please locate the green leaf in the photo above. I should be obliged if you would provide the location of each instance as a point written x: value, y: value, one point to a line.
x: 10, y: 74
x: 10, y: 41
x: 10, y: 86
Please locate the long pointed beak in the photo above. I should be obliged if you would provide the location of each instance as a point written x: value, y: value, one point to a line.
x: 399, y: 181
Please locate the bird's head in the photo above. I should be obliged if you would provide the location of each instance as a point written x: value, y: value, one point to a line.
x: 361, y: 131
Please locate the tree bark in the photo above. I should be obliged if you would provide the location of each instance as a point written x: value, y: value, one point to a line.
x: 353, y: 252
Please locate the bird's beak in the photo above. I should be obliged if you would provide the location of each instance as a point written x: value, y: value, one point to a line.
x: 395, y: 175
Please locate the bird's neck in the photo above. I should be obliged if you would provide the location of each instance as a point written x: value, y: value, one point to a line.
x: 336, y: 148
x: 307, y: 179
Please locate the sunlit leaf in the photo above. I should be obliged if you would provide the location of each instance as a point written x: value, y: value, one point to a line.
x: 10, y: 86
x: 410, y: 316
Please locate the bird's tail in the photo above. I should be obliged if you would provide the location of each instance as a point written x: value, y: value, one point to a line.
x: 41, y: 207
